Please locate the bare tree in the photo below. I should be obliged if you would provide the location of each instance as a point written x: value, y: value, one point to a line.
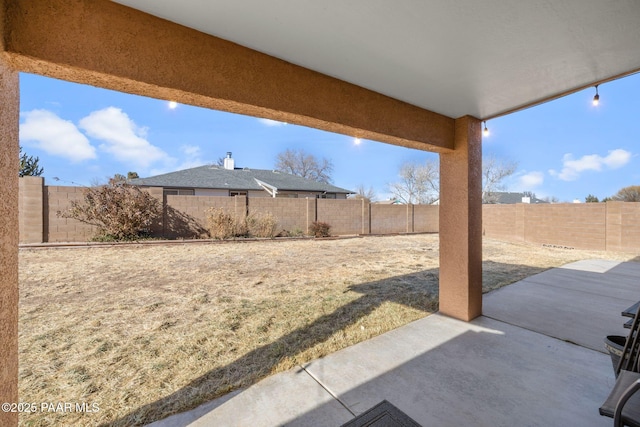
x: 551, y: 199
x: 364, y: 194
x: 419, y: 183
x: 494, y: 171
x: 628, y: 194
x: 301, y: 163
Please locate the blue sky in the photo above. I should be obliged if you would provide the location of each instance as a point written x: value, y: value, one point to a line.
x: 566, y: 148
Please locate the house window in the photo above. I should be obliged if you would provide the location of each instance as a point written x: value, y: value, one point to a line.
x: 178, y: 192
x: 327, y: 196
x: 237, y: 193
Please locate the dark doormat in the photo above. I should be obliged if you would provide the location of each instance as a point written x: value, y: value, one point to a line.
x: 384, y: 414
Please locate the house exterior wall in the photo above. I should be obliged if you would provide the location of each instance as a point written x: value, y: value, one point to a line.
x: 210, y: 192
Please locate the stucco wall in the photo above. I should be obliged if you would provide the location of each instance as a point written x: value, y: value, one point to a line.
x: 9, y: 232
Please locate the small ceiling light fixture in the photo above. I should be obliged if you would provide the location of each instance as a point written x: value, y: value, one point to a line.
x: 596, y: 98
x: 485, y: 132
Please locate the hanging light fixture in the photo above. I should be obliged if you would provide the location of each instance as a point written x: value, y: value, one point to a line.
x: 596, y: 98
x: 485, y: 132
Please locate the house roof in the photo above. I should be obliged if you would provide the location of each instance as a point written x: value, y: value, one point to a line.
x: 212, y: 176
x: 509, y: 198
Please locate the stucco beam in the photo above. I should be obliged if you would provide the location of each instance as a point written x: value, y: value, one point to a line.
x: 105, y: 44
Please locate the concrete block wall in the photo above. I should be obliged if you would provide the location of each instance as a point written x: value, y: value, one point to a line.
x: 344, y: 216
x: 58, y: 229
x: 291, y: 213
x: 630, y: 220
x: 388, y: 219
x: 568, y: 225
x: 612, y: 226
x: 500, y: 221
x: 186, y: 216
x: 426, y: 219
x: 30, y: 199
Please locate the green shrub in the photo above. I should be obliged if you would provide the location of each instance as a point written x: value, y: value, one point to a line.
x: 120, y: 211
x: 320, y: 229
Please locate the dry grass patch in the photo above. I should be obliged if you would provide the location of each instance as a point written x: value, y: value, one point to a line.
x: 146, y: 331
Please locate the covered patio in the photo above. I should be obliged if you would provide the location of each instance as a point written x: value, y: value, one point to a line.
x: 535, y: 357
x: 417, y: 74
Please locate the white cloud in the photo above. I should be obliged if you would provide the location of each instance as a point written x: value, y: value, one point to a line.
x: 191, y: 157
x: 122, y: 138
x: 592, y: 162
x: 58, y: 137
x: 190, y: 150
x: 531, y: 180
x: 269, y: 122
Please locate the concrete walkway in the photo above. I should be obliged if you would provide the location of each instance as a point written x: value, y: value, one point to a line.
x: 536, y: 358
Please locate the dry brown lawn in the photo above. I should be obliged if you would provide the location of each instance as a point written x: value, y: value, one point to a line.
x: 147, y: 331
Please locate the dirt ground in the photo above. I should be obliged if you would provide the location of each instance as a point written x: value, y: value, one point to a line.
x: 141, y: 332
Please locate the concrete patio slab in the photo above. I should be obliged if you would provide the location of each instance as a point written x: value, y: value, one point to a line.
x: 592, y: 265
x: 288, y: 398
x: 569, y: 303
x: 512, y: 366
x: 486, y: 373
x: 607, y: 284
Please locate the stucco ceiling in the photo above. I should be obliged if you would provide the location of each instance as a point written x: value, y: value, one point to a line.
x: 454, y: 57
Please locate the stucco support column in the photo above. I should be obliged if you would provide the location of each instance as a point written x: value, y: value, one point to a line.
x: 461, y: 223
x: 9, y: 116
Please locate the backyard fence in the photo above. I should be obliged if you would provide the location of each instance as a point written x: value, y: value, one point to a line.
x: 185, y: 216
x: 613, y: 226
